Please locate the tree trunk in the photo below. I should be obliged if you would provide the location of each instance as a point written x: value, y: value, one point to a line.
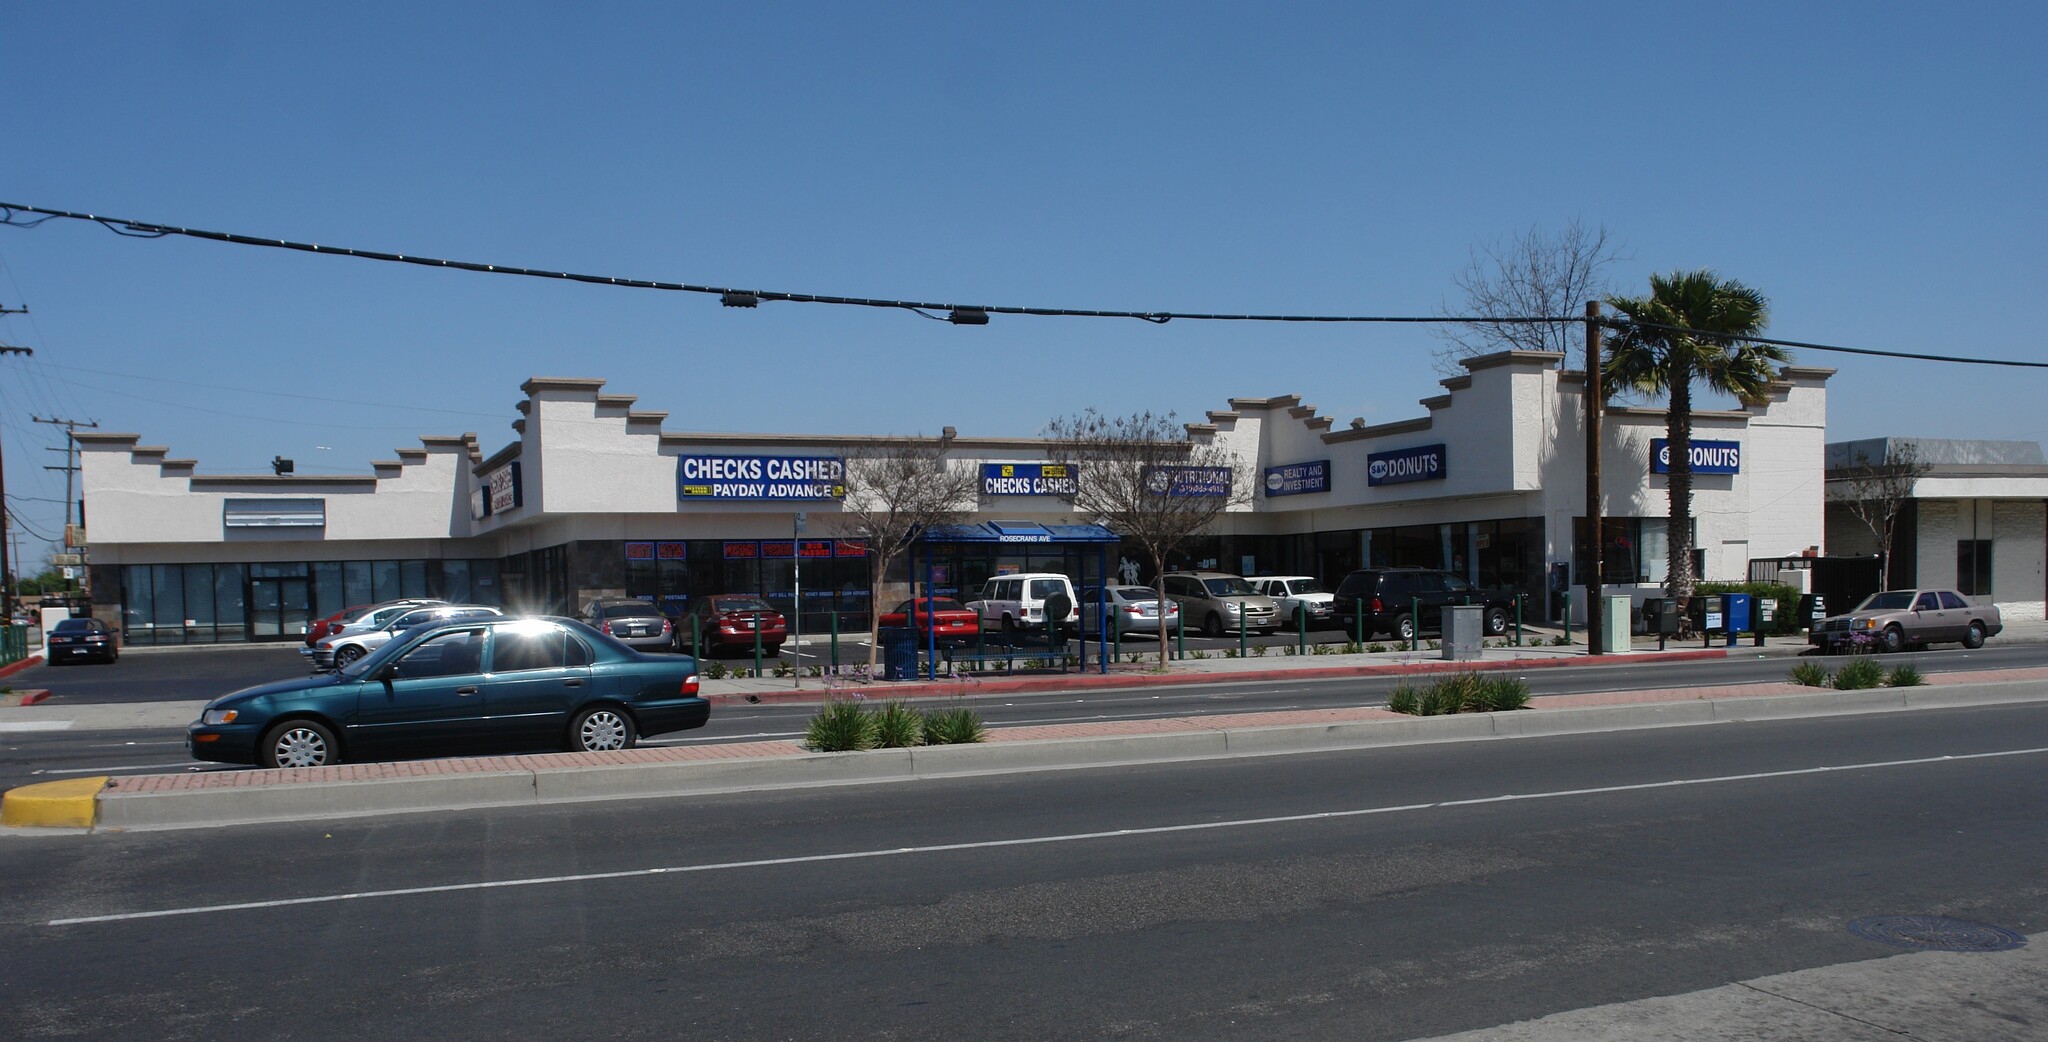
x: 1678, y: 580
x: 1159, y: 591
x: 880, y: 565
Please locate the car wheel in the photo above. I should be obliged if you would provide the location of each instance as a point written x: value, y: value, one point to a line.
x: 1213, y: 625
x: 1496, y: 621
x: 1404, y: 626
x: 347, y: 655
x: 1974, y: 638
x: 600, y: 729
x: 298, y: 743
x: 1894, y: 639
x: 771, y: 650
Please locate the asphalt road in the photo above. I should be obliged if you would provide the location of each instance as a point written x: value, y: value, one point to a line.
x: 33, y: 756
x: 1383, y: 894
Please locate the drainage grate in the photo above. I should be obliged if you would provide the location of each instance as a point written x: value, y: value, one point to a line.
x: 1936, y: 933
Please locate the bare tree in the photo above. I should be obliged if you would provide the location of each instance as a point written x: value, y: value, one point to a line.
x: 1878, y: 491
x: 1529, y: 274
x: 895, y: 494
x: 1143, y: 478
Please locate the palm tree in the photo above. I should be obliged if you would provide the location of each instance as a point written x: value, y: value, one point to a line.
x: 1692, y: 327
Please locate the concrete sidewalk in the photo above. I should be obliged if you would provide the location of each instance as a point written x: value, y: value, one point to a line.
x: 229, y: 797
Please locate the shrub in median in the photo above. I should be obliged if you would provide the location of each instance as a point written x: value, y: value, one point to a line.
x: 1811, y: 674
x: 844, y: 725
x: 1405, y: 700
x: 958, y: 725
x: 1860, y: 674
x: 897, y: 726
x: 1471, y: 692
x: 1904, y: 676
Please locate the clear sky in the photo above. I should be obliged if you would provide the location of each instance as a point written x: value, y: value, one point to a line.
x: 1876, y: 169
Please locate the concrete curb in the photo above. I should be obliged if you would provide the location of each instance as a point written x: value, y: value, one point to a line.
x: 1202, y: 738
x: 957, y: 687
x: 10, y: 669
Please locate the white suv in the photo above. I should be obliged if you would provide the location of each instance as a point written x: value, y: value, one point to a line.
x: 1301, y: 598
x: 1017, y: 602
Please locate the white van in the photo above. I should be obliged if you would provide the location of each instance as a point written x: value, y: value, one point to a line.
x: 1017, y: 602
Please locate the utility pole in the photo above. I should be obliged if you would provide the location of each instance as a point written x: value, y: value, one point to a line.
x: 6, y: 571
x: 1596, y: 403
x: 70, y: 468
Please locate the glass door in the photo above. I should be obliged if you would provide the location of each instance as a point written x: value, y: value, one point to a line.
x: 279, y: 609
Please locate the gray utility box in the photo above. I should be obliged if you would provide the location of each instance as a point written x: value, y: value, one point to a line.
x: 1464, y: 631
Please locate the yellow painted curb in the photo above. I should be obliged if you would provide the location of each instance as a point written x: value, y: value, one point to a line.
x: 71, y: 803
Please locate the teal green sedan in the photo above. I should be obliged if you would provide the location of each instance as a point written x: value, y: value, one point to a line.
x: 475, y: 686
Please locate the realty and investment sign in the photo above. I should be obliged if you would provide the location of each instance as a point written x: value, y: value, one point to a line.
x: 760, y: 477
x: 1297, y: 478
x: 1029, y: 479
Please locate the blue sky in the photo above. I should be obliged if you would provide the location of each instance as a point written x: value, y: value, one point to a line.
x: 1878, y: 176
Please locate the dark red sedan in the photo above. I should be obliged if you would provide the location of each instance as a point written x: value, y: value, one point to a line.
x: 730, y: 621
x: 941, y: 617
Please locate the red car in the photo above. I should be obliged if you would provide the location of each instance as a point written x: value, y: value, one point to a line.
x: 941, y: 617
x: 727, y: 621
x: 331, y: 623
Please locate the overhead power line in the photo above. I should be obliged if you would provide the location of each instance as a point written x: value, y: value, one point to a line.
x: 959, y: 314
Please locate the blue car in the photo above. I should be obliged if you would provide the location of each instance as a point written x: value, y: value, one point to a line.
x: 496, y: 684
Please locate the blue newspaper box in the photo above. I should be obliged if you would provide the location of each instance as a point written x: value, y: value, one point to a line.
x: 1735, y: 613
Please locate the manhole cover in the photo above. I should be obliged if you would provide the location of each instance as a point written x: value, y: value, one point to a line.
x: 1936, y: 933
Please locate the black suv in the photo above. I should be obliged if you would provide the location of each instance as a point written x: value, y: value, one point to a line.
x: 1389, y: 597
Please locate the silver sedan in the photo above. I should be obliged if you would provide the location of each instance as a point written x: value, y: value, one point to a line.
x: 1135, y: 609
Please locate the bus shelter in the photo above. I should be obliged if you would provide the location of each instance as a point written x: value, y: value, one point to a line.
x: 954, y: 560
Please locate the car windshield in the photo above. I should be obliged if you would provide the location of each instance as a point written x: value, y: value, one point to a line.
x: 1136, y: 594
x: 627, y: 610
x: 76, y: 626
x: 1889, y: 600
x: 740, y: 604
x: 1229, y: 586
x: 1302, y: 586
x: 939, y: 604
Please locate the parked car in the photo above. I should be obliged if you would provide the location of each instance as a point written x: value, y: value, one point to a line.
x: 345, y: 647
x: 81, y: 639
x: 469, y: 686
x: 934, y: 618
x: 1389, y: 598
x: 1894, y: 620
x: 319, y: 628
x: 1017, y: 602
x: 363, y: 619
x: 634, y: 623
x: 1301, y: 598
x: 728, y: 621
x: 1210, y: 600
x: 1134, y: 609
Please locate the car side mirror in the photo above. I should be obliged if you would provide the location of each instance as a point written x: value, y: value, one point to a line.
x: 389, y: 673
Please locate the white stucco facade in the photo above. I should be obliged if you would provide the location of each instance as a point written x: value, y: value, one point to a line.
x: 1499, y: 458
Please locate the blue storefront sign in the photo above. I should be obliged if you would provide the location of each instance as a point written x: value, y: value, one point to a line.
x: 760, y: 477
x: 1708, y: 457
x: 1029, y: 479
x: 1294, y: 479
x: 1188, y: 481
x: 1422, y: 463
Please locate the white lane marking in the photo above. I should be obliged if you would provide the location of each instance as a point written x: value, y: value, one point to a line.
x: 995, y: 844
x: 38, y: 725
x: 110, y: 770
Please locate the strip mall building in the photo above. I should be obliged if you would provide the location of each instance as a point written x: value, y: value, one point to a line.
x: 592, y: 498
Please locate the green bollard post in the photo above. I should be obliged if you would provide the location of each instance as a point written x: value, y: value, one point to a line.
x: 1300, y: 632
x: 1567, y: 616
x: 1358, y: 621
x: 696, y: 632
x: 1180, y: 636
x: 757, y: 644
x: 1414, y: 623
x: 1518, y: 621
x: 1242, y: 650
x: 835, y: 642
x: 1050, y: 653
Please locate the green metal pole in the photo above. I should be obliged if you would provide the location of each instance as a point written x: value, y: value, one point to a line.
x: 757, y: 643
x: 1050, y: 626
x: 1567, y: 616
x: 696, y: 629
x: 1414, y: 622
x: 1242, y: 651
x: 1518, y: 621
x: 835, y: 642
x: 1301, y: 632
x: 1358, y: 621
x: 1180, y: 636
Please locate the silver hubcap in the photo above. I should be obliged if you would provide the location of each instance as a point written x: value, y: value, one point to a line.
x: 301, y: 747
x: 603, y: 730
